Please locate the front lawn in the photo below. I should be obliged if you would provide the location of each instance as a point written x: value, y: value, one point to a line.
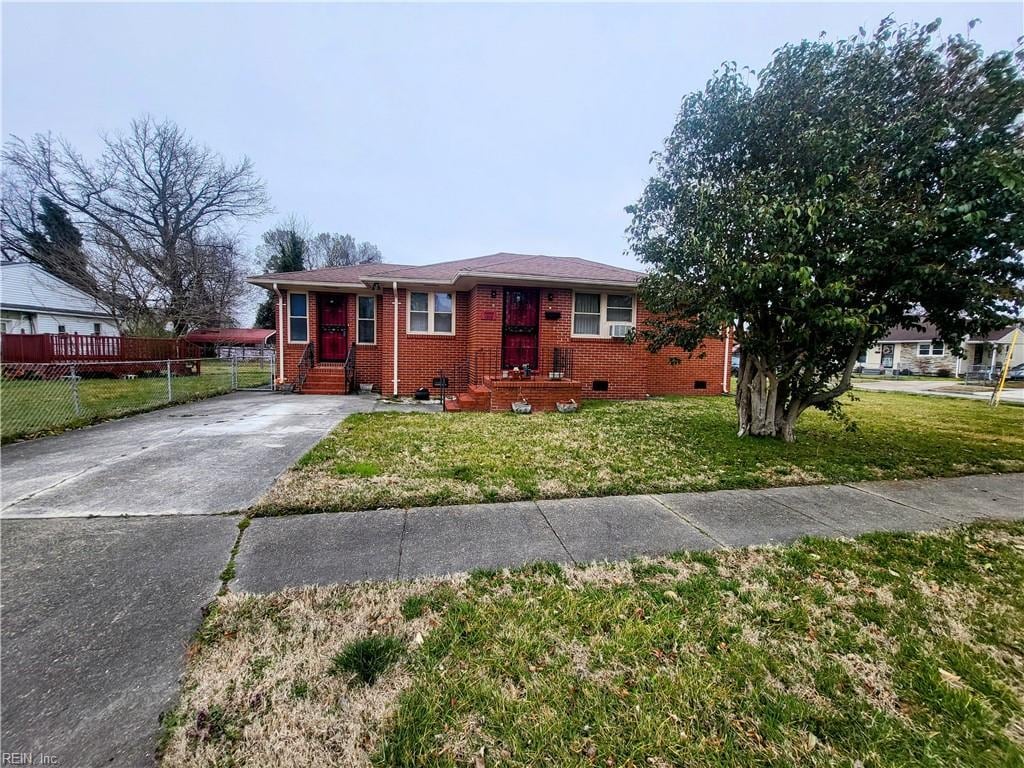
x: 891, y: 650
x: 607, y: 448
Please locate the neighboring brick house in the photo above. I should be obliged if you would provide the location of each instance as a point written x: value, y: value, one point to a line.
x: 480, y: 323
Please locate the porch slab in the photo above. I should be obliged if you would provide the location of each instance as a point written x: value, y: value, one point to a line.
x: 851, y: 511
x: 744, y: 518
x: 620, y: 527
x: 441, y: 540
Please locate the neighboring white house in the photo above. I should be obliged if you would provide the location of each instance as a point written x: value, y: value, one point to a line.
x: 34, y: 301
x: 922, y: 352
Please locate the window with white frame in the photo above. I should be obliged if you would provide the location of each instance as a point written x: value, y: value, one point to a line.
x: 931, y: 349
x: 431, y: 313
x: 586, y: 317
x: 366, y: 320
x: 594, y: 313
x: 97, y: 329
x: 298, y: 317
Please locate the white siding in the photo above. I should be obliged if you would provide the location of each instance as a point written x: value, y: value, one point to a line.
x: 34, y: 301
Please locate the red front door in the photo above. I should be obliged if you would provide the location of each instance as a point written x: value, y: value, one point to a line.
x: 333, y: 327
x: 519, y: 328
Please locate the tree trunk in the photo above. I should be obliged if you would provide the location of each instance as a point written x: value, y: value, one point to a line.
x: 756, y: 399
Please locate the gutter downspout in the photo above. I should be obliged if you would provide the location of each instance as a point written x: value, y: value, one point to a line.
x: 394, y: 363
x: 280, y: 333
x: 726, y: 359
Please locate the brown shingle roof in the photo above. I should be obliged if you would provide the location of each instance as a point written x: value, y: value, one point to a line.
x: 520, y: 265
x: 535, y: 266
x: 335, y: 275
x: 896, y: 334
x: 931, y: 333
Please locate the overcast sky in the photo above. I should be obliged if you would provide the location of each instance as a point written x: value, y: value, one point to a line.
x: 436, y: 132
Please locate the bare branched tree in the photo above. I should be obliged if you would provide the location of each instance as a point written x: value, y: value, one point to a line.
x: 157, y: 208
x: 330, y: 249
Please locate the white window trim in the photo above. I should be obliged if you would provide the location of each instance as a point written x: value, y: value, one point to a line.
x: 374, y: 319
x: 430, y: 314
x: 931, y: 349
x: 604, y: 326
x: 288, y: 306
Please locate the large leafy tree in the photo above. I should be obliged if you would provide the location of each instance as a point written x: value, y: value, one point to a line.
x: 853, y: 186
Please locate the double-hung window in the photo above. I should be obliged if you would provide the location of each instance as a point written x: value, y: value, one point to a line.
x: 931, y: 349
x: 366, y: 320
x: 586, y: 318
x: 431, y: 312
x: 298, y: 317
x: 594, y: 313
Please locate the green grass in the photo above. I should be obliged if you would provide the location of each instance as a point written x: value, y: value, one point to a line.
x: 30, y: 408
x: 368, y: 658
x: 890, y: 650
x: 607, y: 448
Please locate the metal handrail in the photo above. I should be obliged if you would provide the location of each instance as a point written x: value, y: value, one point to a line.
x: 305, y: 363
x: 350, y: 370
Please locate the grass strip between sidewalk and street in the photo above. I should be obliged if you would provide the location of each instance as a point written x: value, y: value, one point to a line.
x: 892, y: 649
x: 656, y: 446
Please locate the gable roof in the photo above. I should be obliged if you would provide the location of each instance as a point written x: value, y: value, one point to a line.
x: 533, y: 267
x: 929, y: 332
x: 27, y: 287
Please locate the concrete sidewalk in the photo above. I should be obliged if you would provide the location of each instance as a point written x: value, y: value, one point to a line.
x: 389, y: 544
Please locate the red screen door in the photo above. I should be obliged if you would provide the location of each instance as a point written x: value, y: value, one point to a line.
x: 519, y: 330
x: 333, y: 328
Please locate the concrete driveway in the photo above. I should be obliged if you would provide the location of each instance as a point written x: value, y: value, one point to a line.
x: 96, y: 618
x: 215, y: 455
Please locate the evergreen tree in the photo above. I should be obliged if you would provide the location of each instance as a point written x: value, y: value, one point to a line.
x: 286, y: 252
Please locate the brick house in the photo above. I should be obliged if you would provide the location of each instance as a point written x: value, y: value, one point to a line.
x: 497, y: 328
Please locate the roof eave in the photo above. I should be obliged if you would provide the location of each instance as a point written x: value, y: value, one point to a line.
x: 270, y: 283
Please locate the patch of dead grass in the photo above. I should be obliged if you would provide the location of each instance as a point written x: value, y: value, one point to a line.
x: 261, y: 692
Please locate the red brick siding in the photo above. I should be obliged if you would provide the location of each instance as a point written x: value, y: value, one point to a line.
x: 421, y: 356
x: 630, y: 370
x: 541, y: 394
x: 368, y: 356
x: 293, y: 352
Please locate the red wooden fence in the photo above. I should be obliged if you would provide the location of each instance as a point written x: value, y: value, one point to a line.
x: 63, y: 348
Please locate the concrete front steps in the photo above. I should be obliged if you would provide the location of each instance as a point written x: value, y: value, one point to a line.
x: 325, y: 381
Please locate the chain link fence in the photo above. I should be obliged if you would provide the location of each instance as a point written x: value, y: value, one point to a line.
x: 39, y: 398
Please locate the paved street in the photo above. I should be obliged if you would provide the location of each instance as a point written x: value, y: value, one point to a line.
x: 215, y: 455
x: 939, y: 388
